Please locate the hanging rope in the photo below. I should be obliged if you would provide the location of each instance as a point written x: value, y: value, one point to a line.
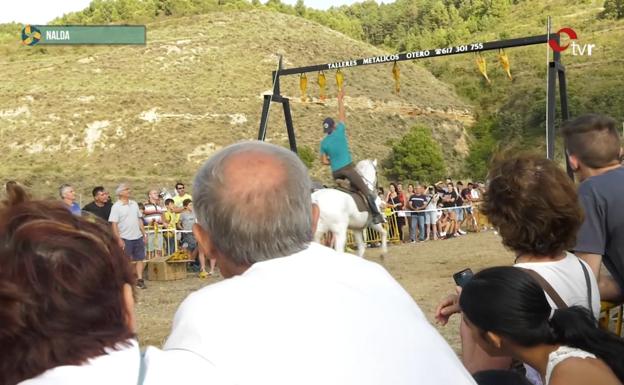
x: 504, y: 60
x: 482, y: 65
x: 396, y: 74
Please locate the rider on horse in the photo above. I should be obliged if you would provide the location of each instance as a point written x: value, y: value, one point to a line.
x: 335, y: 152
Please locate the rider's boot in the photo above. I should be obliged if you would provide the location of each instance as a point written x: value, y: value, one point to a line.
x: 377, y: 216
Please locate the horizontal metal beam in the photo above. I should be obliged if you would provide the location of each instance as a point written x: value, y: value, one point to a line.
x: 424, y: 54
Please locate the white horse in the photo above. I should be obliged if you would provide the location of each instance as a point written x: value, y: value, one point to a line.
x: 339, y: 213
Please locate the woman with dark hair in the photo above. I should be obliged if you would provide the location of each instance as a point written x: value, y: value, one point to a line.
x: 394, y: 202
x: 533, y: 204
x: 66, y: 299
x: 508, y: 314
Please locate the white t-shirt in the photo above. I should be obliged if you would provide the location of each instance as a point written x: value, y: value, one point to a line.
x: 315, y: 317
x: 567, y: 278
x: 127, y: 218
x: 118, y: 367
x: 562, y: 354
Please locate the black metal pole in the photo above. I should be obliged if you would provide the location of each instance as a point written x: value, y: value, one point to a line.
x: 423, y: 54
x: 264, y: 117
x: 565, y: 112
x: 289, y: 125
x: 553, y: 68
x: 550, y: 123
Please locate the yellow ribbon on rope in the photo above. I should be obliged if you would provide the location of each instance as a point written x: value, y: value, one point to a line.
x: 339, y: 79
x: 303, y: 85
x: 396, y: 74
x: 482, y: 65
x: 322, y: 82
x: 504, y: 60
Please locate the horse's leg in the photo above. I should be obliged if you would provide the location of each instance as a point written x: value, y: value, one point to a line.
x: 340, y: 239
x: 384, y: 239
x: 321, y: 229
x: 359, y: 240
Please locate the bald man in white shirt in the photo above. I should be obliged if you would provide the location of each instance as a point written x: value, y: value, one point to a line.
x: 291, y: 311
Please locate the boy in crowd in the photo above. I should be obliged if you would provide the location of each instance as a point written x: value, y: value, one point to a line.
x: 594, y: 150
x: 172, y: 221
x: 188, y: 219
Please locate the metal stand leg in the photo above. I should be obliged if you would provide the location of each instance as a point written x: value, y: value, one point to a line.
x: 289, y: 125
x: 264, y: 117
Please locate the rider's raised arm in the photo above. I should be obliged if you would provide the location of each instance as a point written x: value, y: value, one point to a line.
x: 341, y: 108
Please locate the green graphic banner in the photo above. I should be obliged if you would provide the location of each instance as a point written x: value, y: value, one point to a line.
x: 90, y: 34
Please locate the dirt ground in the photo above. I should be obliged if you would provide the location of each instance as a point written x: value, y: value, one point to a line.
x: 425, y: 270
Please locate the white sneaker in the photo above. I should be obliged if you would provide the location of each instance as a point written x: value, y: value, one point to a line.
x: 461, y: 232
x: 442, y: 233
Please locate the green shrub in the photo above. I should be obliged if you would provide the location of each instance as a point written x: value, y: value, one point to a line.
x: 416, y: 157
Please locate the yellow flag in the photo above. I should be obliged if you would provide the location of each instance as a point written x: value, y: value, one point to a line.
x: 396, y: 74
x: 482, y: 67
x: 504, y: 60
x: 303, y: 85
x: 322, y: 82
x: 339, y: 79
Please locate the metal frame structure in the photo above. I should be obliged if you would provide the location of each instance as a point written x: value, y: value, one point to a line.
x: 556, y: 70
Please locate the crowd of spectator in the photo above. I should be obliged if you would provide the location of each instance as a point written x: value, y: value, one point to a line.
x: 438, y: 211
x: 290, y: 311
x: 158, y: 226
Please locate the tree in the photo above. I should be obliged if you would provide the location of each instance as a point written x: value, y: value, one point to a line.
x: 300, y: 8
x: 613, y: 9
x: 416, y: 157
x: 482, y: 147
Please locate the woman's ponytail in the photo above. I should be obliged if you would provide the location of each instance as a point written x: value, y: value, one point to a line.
x: 576, y: 327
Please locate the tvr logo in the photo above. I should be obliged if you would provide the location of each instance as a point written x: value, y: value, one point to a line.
x: 577, y: 49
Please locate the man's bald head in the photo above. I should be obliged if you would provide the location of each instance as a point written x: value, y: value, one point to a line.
x: 253, y: 200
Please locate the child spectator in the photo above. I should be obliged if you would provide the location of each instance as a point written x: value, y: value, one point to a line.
x: 188, y: 219
x: 172, y: 222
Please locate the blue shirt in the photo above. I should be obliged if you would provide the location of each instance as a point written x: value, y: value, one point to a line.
x: 75, y: 209
x: 336, y: 147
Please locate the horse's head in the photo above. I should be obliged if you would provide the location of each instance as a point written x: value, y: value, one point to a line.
x: 367, y: 168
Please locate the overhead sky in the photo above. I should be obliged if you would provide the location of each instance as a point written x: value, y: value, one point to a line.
x: 43, y: 11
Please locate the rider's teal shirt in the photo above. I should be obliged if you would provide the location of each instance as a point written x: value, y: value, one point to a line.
x: 336, y: 147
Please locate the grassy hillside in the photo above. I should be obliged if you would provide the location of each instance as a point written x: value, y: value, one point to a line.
x: 150, y: 115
